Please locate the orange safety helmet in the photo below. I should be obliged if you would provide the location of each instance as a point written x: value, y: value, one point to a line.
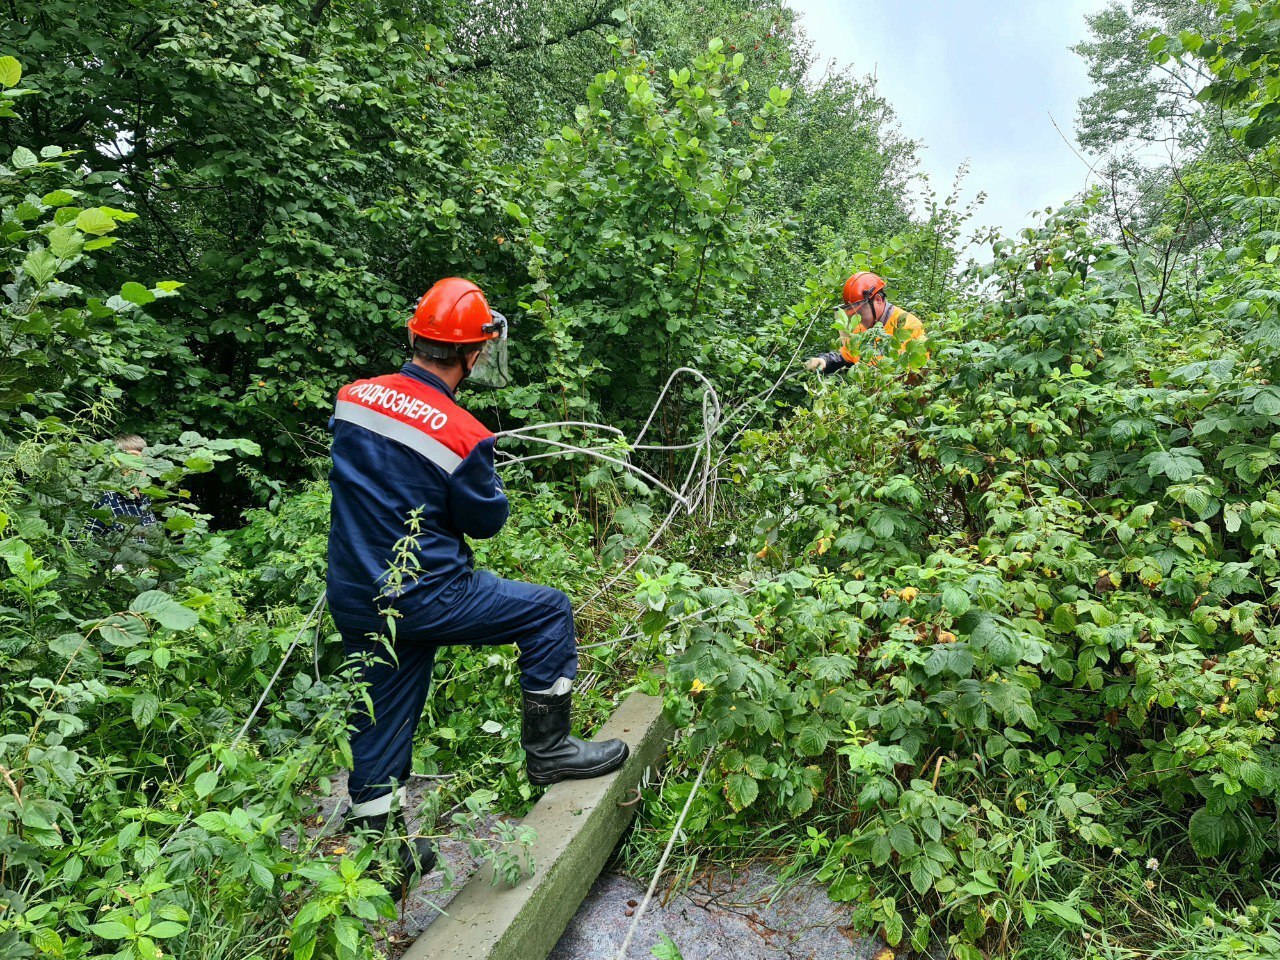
x: 862, y: 286
x: 455, y: 311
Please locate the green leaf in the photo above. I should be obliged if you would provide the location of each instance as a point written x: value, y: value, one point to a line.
x: 954, y: 658
x: 122, y: 631
x: 1208, y: 832
x: 205, y: 783
x: 165, y: 929
x: 881, y: 850
x: 145, y: 707
x: 1064, y: 617
x: 68, y: 645
x: 740, y: 790
x: 1267, y: 402
x: 812, y: 739
x: 40, y: 265
x: 128, y: 835
x: 10, y: 72
x: 95, y: 220
x: 1064, y: 912
x: 110, y: 930
x: 48, y: 941
x: 921, y: 879
x: 163, y: 609
x: 347, y: 933
x: 261, y: 876
x: 981, y: 884
x: 23, y: 159
x: 136, y: 293
x: 903, y: 840
x: 65, y: 242
x: 1178, y: 465
x: 955, y: 600
x: 893, y: 928
x: 57, y: 198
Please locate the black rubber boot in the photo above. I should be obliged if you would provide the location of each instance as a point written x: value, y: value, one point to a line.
x: 412, y: 858
x: 551, y: 754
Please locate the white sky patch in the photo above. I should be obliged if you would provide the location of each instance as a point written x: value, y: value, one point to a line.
x: 975, y: 81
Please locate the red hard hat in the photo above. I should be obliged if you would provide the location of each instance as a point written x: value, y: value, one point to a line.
x: 862, y: 286
x: 454, y: 311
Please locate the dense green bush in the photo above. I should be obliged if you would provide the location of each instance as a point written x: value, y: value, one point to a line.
x: 982, y: 637
x: 1015, y: 650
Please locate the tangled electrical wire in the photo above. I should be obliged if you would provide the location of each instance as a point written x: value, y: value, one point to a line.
x: 699, y: 485
x: 697, y: 490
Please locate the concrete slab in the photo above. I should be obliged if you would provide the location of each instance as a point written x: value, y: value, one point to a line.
x: 578, y: 824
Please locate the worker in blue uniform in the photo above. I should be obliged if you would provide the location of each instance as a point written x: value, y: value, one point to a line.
x: 413, y: 475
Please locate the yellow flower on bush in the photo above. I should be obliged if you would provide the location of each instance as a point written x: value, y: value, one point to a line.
x: 698, y: 686
x: 909, y: 593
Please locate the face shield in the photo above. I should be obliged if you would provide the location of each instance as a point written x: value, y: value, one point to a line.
x: 490, y: 371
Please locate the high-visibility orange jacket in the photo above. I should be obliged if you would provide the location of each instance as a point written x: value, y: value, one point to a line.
x: 894, y: 317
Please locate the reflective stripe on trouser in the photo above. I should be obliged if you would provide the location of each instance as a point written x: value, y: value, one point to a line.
x: 479, y: 610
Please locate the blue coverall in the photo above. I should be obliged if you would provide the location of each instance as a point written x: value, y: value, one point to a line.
x: 405, y: 454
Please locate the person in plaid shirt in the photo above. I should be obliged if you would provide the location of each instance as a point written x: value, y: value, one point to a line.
x: 134, y: 506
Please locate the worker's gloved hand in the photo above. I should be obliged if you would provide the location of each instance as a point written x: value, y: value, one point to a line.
x: 815, y: 363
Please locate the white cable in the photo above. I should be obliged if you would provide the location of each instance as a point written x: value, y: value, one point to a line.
x: 768, y: 393
x: 653, y: 884
x: 276, y: 676
x: 711, y: 390
x: 570, y: 448
x: 514, y: 431
x: 688, y: 496
x: 636, y: 634
x: 691, y: 495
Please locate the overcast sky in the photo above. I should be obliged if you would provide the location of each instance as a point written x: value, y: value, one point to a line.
x: 976, y: 80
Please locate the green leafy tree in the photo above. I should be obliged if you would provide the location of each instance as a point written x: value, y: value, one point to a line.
x: 645, y: 250
x: 304, y: 169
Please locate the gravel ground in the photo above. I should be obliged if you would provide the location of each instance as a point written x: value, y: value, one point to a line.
x: 728, y: 918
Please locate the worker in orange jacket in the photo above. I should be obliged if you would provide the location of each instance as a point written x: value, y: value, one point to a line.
x: 864, y: 295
